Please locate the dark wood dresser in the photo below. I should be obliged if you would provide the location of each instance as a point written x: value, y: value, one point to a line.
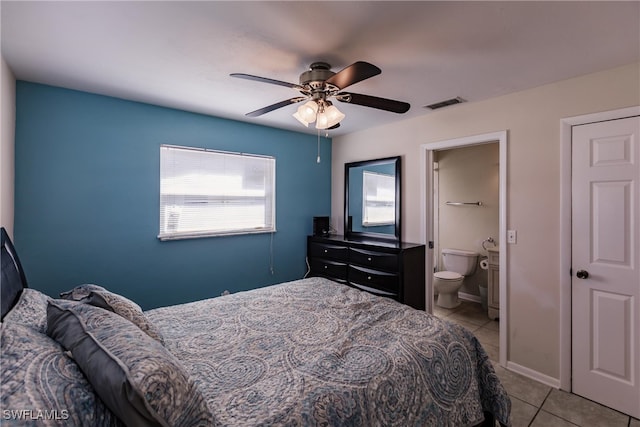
x: 391, y: 269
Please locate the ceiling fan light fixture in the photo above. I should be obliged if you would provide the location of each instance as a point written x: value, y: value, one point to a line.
x: 299, y: 118
x: 331, y: 117
x: 306, y: 113
x: 322, y: 121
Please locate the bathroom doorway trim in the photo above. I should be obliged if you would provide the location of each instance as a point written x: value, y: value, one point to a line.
x: 426, y: 217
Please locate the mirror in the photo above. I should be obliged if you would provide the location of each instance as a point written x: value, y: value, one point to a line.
x: 372, y: 199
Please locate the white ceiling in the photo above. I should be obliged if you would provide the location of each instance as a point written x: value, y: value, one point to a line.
x: 180, y: 54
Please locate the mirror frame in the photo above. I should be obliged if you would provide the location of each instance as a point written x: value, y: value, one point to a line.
x: 348, y: 233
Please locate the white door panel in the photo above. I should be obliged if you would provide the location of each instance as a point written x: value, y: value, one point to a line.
x: 606, y: 263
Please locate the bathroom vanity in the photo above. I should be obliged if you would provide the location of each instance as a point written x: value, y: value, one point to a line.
x: 493, y: 285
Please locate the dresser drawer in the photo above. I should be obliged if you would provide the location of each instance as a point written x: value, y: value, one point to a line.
x: 325, y: 250
x: 373, y: 278
x: 328, y: 268
x: 372, y: 259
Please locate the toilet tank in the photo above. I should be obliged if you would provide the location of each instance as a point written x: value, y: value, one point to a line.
x: 460, y: 261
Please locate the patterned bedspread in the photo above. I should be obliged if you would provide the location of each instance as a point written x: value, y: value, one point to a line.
x: 314, y: 352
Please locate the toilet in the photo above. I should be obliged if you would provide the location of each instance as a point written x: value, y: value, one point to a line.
x: 457, y: 263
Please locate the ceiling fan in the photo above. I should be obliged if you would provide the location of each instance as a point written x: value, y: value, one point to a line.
x: 318, y: 84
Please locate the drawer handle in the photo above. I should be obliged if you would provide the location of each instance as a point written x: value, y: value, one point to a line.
x: 326, y: 266
x: 326, y: 251
x: 368, y: 277
x: 369, y: 259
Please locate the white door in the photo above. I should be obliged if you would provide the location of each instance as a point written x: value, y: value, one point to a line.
x: 606, y: 263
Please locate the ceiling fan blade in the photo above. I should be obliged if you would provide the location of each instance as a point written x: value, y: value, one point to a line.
x: 374, y: 102
x: 272, y: 107
x: 354, y: 73
x: 266, y: 80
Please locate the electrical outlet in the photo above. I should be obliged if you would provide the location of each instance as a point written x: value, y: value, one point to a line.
x: 512, y: 236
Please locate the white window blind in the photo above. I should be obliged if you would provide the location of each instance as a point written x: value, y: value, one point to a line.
x: 210, y: 193
x: 379, y: 195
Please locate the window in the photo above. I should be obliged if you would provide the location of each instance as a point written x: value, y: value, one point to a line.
x: 211, y: 193
x: 379, y: 195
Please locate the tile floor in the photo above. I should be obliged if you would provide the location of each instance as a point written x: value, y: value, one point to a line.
x: 533, y: 404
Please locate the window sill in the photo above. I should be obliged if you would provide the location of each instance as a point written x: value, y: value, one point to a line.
x: 183, y: 236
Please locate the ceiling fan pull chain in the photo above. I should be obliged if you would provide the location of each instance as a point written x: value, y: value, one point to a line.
x: 318, y: 158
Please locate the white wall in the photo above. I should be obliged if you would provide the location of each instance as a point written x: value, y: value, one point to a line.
x: 7, y: 132
x: 532, y: 119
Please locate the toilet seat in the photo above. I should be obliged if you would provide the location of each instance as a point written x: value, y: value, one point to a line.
x: 447, y: 275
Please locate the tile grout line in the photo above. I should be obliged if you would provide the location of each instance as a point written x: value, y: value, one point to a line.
x: 555, y: 415
x: 539, y: 408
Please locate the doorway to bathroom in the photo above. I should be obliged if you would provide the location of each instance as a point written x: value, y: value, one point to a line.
x: 464, y: 207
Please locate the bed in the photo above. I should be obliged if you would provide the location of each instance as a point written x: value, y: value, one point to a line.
x: 309, y: 352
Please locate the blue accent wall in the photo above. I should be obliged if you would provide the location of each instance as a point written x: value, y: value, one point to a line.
x: 87, y: 199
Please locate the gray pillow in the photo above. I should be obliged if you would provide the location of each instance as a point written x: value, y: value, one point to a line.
x: 80, y: 292
x: 100, y: 297
x: 30, y: 310
x: 39, y: 381
x: 134, y: 375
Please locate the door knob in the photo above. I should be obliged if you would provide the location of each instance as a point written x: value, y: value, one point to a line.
x: 582, y: 274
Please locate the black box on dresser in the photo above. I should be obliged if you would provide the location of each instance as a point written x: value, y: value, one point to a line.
x: 386, y: 268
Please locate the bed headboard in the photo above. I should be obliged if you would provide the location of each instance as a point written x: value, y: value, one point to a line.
x: 13, y: 279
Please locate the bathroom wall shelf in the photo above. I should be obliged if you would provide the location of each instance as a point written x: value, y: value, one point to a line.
x: 464, y: 203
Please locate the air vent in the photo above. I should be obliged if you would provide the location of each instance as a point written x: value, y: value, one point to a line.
x: 446, y: 103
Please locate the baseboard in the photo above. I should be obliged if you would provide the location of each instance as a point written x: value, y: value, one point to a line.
x: 534, y: 375
x: 469, y: 297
